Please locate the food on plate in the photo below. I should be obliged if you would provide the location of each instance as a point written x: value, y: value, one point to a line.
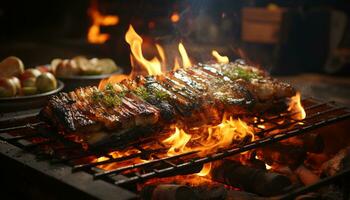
x: 17, y: 84
x: 29, y: 90
x: 28, y: 77
x: 11, y: 66
x: 81, y: 65
x: 46, y: 82
x: 7, y: 87
x: 65, y: 68
x: 17, y: 81
x: 30, y: 73
x: 106, y: 65
x: 198, y: 95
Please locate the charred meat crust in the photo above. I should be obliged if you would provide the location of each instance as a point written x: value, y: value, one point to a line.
x: 200, y: 94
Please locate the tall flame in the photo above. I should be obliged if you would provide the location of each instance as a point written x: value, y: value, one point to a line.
x: 162, y: 56
x: 219, y: 58
x: 295, y: 106
x: 185, y: 60
x: 94, y: 36
x: 153, y: 66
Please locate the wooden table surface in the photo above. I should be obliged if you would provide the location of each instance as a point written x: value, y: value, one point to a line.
x: 324, y: 87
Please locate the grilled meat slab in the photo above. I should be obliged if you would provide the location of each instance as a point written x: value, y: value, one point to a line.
x: 195, y: 96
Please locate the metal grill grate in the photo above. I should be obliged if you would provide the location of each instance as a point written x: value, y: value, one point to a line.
x: 38, y: 137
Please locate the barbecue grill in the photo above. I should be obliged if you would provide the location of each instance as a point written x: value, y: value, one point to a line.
x: 47, y: 158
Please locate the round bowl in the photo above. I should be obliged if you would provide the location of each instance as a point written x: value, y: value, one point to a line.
x: 73, y: 82
x: 19, y: 103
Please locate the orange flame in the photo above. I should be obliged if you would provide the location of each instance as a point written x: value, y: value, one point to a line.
x: 219, y: 58
x: 153, y: 66
x: 176, y: 64
x: 113, y: 79
x: 185, y: 60
x: 94, y: 36
x: 208, y: 141
x: 162, y: 56
x: 205, y: 170
x: 295, y: 106
x: 178, y: 142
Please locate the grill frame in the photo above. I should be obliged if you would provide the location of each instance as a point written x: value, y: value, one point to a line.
x: 99, y: 179
x: 78, y: 185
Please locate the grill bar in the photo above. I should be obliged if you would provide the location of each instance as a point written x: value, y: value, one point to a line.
x: 226, y: 153
x: 318, y: 114
x: 263, y: 131
x: 85, y: 166
x: 118, y: 170
x: 26, y: 126
x: 104, y: 173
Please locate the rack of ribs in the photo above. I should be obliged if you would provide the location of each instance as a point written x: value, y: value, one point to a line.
x: 194, y: 96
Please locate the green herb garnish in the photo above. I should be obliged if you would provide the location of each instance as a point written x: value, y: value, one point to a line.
x: 161, y: 95
x: 109, y: 86
x: 142, y: 92
x: 238, y: 72
x: 112, y: 101
x: 97, y: 95
x: 108, y: 96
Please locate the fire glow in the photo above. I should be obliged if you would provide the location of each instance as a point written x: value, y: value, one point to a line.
x: 208, y: 139
x: 181, y: 139
x: 94, y: 35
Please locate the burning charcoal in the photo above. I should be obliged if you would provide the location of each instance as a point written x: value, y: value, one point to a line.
x: 285, y: 170
x: 332, y: 192
x: 168, y: 192
x: 315, y: 161
x: 308, y: 196
x: 313, y: 142
x: 211, y: 191
x: 340, y: 161
x: 239, y: 195
x: 306, y: 176
x: 250, y: 179
x: 288, y: 154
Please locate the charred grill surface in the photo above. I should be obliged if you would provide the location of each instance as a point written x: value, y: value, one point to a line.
x: 197, y: 95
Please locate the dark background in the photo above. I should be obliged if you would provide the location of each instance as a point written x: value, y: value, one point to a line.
x: 38, y: 31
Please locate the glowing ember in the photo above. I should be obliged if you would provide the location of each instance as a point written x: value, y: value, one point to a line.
x: 135, y: 41
x: 100, y: 159
x: 175, y: 17
x: 219, y: 58
x: 185, y: 60
x: 268, y: 167
x: 94, y: 36
x: 295, y: 106
x: 262, y: 126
